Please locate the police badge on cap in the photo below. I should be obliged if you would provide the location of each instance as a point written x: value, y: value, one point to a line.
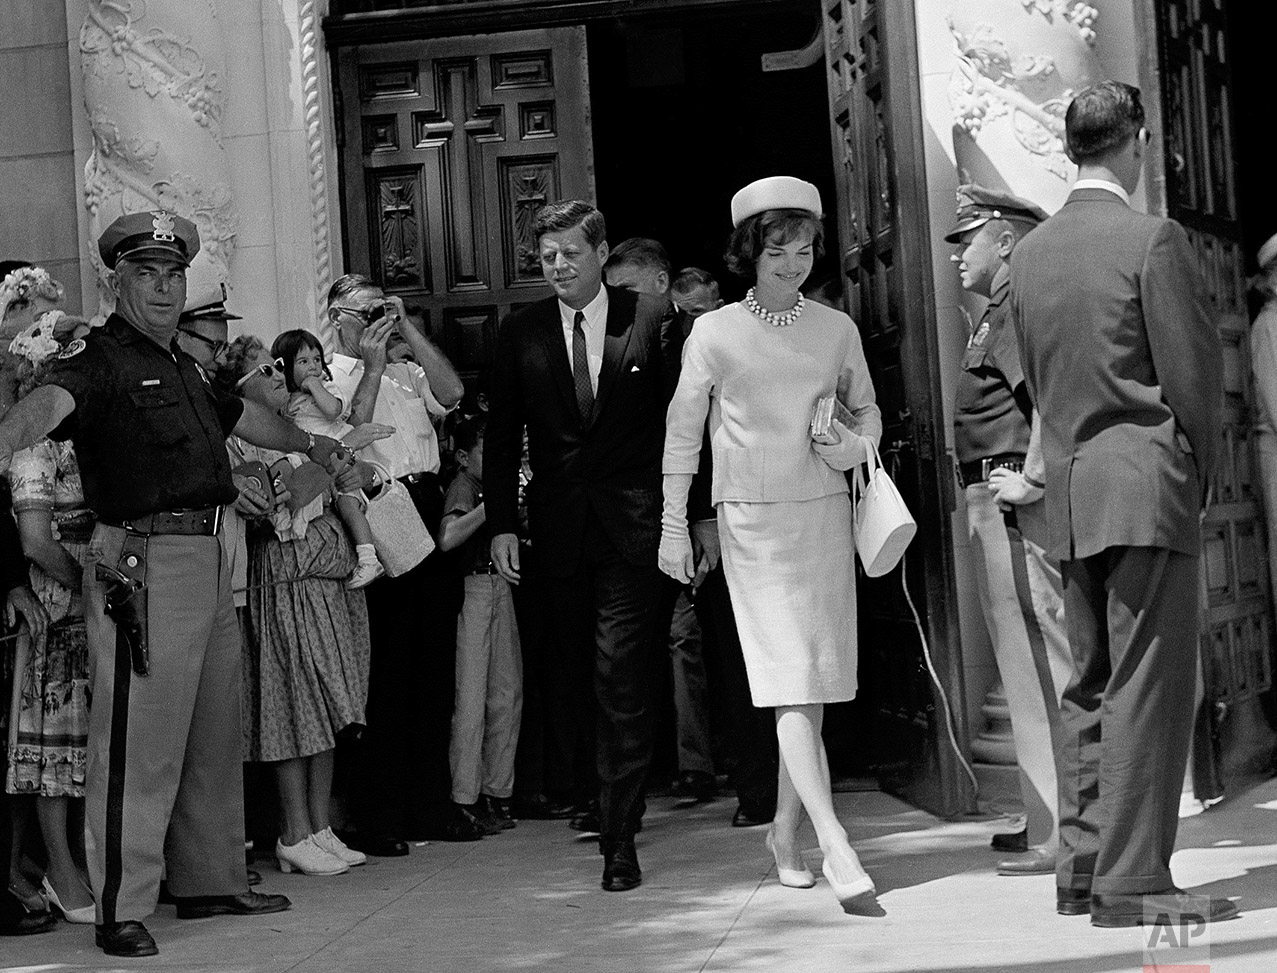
x: 159, y: 233
x: 977, y: 206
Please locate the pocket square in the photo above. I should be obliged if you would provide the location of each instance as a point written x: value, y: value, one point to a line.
x: 634, y: 368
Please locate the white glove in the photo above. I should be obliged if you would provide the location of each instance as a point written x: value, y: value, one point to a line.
x: 850, y: 449
x: 675, y: 555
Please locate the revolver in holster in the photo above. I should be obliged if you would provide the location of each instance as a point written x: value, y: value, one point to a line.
x: 126, y: 606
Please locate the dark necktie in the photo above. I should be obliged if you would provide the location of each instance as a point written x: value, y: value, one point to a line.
x: 581, y: 369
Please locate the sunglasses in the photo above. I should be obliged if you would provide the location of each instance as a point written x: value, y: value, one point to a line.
x: 265, y: 369
x: 368, y: 315
x: 217, y: 346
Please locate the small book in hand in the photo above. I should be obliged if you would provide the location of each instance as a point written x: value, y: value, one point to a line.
x: 828, y: 408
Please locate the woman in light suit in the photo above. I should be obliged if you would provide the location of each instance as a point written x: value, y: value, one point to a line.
x: 757, y: 369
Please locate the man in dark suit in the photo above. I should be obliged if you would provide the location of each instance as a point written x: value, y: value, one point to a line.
x: 589, y: 372
x: 1125, y: 367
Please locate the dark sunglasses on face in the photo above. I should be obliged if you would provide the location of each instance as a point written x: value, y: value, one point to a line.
x: 217, y: 346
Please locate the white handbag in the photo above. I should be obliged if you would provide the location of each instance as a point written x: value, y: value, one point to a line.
x: 881, y: 522
x: 399, y: 533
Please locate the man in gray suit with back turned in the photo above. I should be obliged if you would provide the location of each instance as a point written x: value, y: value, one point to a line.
x: 1124, y: 365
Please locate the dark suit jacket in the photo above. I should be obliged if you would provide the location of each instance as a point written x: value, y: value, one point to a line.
x: 1124, y: 363
x: 609, y: 465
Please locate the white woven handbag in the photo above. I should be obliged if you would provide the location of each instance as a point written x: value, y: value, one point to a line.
x: 398, y: 531
x: 882, y: 523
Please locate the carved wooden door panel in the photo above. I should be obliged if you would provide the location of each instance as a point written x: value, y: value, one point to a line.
x: 1196, y: 125
x: 449, y: 148
x: 871, y: 57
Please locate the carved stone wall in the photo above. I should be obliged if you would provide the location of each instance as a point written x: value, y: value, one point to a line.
x: 155, y: 100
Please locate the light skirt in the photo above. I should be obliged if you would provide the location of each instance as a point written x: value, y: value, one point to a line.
x: 791, y: 573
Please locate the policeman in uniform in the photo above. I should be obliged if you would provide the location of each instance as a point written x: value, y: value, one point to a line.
x: 164, y: 783
x: 1020, y: 589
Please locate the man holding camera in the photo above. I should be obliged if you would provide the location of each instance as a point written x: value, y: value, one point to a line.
x: 409, y: 616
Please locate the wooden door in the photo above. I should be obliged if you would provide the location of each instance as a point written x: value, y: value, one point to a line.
x: 883, y: 228
x: 449, y: 148
x: 1194, y: 183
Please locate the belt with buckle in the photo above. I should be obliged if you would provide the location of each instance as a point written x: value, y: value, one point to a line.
x: 978, y: 470
x: 205, y: 522
x: 490, y: 569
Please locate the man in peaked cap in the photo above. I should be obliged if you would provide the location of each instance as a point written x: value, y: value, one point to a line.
x: 1019, y: 586
x: 164, y: 786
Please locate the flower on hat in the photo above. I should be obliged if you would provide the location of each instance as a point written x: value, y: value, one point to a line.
x: 37, y: 342
x: 24, y: 283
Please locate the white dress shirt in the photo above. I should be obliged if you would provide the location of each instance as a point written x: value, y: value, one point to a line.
x: 1112, y: 187
x: 595, y: 327
x: 405, y: 402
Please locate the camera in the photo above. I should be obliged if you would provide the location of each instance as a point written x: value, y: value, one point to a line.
x: 377, y: 313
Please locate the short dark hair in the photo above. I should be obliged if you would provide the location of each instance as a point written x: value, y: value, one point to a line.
x: 468, y: 433
x: 1101, y: 118
x: 748, y: 240
x: 287, y: 345
x: 567, y: 213
x: 348, y: 284
x: 641, y: 251
x: 690, y: 278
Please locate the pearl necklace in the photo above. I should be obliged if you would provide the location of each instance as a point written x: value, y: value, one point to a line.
x: 775, y: 319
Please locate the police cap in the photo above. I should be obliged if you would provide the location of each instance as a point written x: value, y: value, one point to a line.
x: 977, y: 206
x: 156, y: 232
x: 207, y: 305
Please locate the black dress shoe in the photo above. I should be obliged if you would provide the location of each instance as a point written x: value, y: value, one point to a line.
x: 17, y: 920
x: 749, y: 817
x: 1073, y: 902
x: 244, y: 904
x: 378, y: 845
x: 496, y: 811
x: 457, y: 825
x: 128, y: 938
x: 587, y: 822
x: 620, y: 866
x: 697, y: 785
x: 1169, y: 906
x: 1011, y: 841
x: 538, y: 807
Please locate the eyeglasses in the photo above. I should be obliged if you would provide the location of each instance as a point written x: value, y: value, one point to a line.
x: 217, y: 346
x: 265, y: 369
x: 367, y: 315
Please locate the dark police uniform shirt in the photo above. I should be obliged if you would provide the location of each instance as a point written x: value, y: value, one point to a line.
x: 149, y: 430
x: 987, y: 420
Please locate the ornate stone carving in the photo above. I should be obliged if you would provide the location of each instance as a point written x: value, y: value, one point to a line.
x: 1019, y: 63
x: 312, y: 106
x: 155, y: 104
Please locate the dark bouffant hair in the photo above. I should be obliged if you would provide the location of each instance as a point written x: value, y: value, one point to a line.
x: 567, y: 213
x: 1101, y: 118
x: 468, y: 433
x: 286, y: 347
x: 772, y: 226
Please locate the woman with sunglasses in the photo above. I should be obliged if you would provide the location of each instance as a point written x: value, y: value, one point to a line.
x: 306, y: 647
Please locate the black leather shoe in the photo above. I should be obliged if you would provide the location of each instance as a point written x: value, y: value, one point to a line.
x: 17, y: 920
x: 1038, y: 861
x: 378, y: 845
x: 586, y: 818
x: 128, y: 938
x: 749, y: 817
x: 1073, y: 902
x: 244, y: 904
x: 697, y: 785
x: 620, y: 866
x: 456, y: 825
x: 1169, y: 906
x: 1011, y: 841
x: 496, y: 811
x: 538, y: 807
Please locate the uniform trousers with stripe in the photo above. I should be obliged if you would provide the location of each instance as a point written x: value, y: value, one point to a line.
x: 1022, y: 597
x: 489, y: 700
x: 165, y: 785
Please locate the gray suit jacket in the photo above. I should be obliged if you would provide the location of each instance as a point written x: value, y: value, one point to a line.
x: 1124, y: 363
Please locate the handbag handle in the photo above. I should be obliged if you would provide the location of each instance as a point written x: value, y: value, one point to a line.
x: 858, y: 478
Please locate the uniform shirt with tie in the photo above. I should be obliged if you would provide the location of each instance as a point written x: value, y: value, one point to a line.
x: 595, y: 328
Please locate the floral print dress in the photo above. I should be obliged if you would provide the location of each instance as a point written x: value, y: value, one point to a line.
x: 49, y: 708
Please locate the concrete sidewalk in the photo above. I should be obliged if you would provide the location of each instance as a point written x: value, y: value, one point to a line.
x: 529, y: 899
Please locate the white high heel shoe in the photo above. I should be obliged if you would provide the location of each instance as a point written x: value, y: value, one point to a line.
x: 791, y: 878
x: 857, y: 897
x: 84, y: 915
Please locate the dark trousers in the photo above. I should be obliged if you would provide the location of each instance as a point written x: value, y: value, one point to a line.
x: 751, y: 730
x: 606, y: 620
x: 1127, y: 715
x: 399, y: 768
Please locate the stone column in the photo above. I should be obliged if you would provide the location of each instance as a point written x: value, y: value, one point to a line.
x: 154, y: 97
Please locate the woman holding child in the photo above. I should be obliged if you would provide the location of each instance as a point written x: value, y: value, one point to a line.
x: 306, y: 648
x: 757, y: 370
